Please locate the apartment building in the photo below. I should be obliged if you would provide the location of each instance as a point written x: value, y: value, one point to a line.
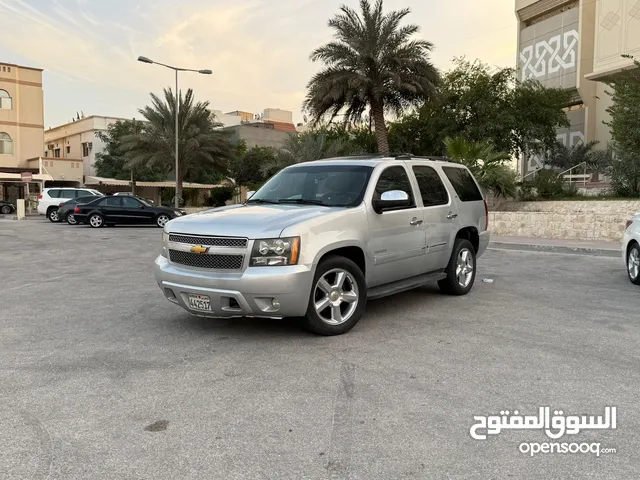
x: 577, y: 45
x: 21, y: 126
x: 77, y: 142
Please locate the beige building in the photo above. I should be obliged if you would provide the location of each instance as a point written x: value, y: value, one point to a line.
x: 77, y: 141
x: 577, y: 45
x: 21, y: 126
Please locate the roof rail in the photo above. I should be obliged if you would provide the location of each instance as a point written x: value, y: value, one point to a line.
x: 408, y: 156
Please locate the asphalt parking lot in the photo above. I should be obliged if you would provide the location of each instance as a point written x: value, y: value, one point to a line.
x: 102, y: 378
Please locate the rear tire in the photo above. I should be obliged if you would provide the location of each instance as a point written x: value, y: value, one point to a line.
x: 52, y: 215
x: 71, y: 219
x: 633, y: 264
x: 338, y: 297
x: 6, y: 209
x: 96, y: 220
x: 461, y: 271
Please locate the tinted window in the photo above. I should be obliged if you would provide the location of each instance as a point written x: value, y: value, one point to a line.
x: 86, y: 199
x: 463, y: 183
x: 54, y: 193
x: 82, y: 193
x: 67, y: 194
x: 129, y: 202
x: 431, y: 187
x: 394, y: 178
x: 112, y: 202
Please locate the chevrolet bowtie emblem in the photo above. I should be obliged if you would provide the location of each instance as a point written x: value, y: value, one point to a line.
x: 199, y: 249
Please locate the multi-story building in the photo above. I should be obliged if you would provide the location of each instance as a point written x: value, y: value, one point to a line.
x: 577, y: 45
x: 21, y: 126
x: 77, y: 141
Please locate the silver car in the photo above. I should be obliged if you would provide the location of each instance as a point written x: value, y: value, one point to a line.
x: 321, y: 238
x: 631, y: 248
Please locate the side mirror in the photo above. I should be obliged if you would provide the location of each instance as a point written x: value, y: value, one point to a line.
x: 250, y: 194
x: 391, y: 200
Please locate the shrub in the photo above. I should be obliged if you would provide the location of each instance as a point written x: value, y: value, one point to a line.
x: 548, y: 184
x: 220, y: 195
x: 526, y: 191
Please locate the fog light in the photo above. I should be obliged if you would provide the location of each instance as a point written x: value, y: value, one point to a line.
x: 275, y: 303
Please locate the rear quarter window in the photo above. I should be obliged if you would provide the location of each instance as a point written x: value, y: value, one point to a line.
x: 54, y: 193
x: 463, y: 183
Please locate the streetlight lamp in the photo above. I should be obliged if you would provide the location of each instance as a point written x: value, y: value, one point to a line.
x: 176, y: 69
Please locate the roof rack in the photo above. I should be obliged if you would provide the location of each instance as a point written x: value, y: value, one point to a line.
x: 408, y: 156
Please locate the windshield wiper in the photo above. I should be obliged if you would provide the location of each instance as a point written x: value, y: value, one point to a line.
x: 303, y: 201
x: 260, y: 200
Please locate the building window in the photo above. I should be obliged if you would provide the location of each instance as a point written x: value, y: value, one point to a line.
x: 77, y: 165
x: 51, y: 163
x: 73, y: 165
x: 68, y: 149
x: 86, y: 148
x: 56, y: 153
x: 6, y: 103
x: 45, y: 163
x: 46, y: 153
x: 6, y: 144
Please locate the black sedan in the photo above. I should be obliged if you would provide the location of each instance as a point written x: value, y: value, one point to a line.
x: 66, y: 209
x: 123, y: 209
x: 6, y: 208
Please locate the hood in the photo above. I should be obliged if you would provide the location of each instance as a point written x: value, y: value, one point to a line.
x: 251, y: 221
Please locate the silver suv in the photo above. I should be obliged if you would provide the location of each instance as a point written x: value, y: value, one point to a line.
x: 321, y: 238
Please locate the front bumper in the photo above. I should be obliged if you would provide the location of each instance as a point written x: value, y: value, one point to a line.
x: 247, y: 294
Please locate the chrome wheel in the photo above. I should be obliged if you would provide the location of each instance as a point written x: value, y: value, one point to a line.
x: 633, y: 263
x: 71, y: 220
x: 336, y: 296
x: 53, y: 215
x: 162, y: 220
x: 464, y: 268
x: 95, y: 221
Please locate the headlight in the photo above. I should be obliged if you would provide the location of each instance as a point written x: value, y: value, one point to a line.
x: 165, y: 245
x: 273, y: 252
x: 178, y: 213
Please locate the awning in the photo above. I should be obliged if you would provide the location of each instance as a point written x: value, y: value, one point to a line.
x: 16, y: 177
x: 97, y: 181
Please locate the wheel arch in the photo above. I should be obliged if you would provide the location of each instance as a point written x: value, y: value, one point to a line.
x: 471, y: 234
x: 352, y: 252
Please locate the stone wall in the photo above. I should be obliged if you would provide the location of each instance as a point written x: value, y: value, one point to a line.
x: 583, y: 220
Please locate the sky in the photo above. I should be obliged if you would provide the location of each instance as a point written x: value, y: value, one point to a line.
x: 258, y: 49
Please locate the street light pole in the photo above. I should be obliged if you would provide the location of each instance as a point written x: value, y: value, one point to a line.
x: 177, y: 112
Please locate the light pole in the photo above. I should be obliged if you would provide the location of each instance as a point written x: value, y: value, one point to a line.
x: 176, y: 69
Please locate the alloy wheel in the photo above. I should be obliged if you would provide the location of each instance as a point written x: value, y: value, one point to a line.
x: 71, y: 219
x: 633, y: 264
x: 95, y: 221
x: 336, y: 296
x: 464, y: 267
x: 6, y: 210
x: 53, y: 216
x: 162, y: 220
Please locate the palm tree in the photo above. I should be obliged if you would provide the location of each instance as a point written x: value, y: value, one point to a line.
x: 373, y: 63
x: 565, y: 157
x: 202, y: 148
x: 488, y: 166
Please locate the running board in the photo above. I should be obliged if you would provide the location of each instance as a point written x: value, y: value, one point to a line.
x: 404, y: 285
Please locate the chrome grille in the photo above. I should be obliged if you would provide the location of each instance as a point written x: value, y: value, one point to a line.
x: 216, y: 262
x: 210, y: 241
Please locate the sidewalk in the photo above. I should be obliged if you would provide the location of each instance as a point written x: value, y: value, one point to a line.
x: 555, y: 245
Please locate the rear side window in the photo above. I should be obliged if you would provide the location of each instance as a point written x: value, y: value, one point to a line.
x: 67, y: 194
x: 432, y: 189
x: 112, y: 202
x: 394, y: 178
x: 463, y: 183
x: 54, y: 193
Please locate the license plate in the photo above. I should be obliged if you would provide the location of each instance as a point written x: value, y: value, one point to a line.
x: 199, y: 302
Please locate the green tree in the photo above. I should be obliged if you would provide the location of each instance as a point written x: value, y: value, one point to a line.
x: 112, y: 162
x: 564, y: 157
x: 487, y: 165
x: 480, y: 103
x: 203, y: 149
x: 373, y: 63
x: 246, y: 168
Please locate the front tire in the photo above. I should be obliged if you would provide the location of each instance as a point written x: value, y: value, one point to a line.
x: 53, y: 215
x: 338, y: 297
x: 71, y: 219
x: 96, y: 220
x: 461, y: 271
x: 633, y: 264
x: 6, y: 209
x: 162, y: 220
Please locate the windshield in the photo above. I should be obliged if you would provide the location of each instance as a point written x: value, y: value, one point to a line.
x: 328, y: 185
x: 144, y: 202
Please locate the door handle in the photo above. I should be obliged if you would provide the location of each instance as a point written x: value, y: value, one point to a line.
x: 451, y: 216
x: 414, y: 221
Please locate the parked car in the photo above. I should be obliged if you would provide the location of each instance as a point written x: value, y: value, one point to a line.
x: 66, y: 209
x: 50, y: 199
x: 321, y: 238
x: 631, y: 248
x: 123, y: 209
x: 7, y: 207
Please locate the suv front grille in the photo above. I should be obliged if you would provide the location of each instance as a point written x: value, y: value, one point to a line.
x: 211, y: 241
x: 215, y: 262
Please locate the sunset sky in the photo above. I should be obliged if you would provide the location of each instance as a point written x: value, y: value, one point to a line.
x: 257, y: 49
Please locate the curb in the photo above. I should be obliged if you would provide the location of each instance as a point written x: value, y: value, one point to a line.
x: 596, y: 252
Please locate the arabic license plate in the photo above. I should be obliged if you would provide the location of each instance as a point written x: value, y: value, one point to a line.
x: 199, y: 302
